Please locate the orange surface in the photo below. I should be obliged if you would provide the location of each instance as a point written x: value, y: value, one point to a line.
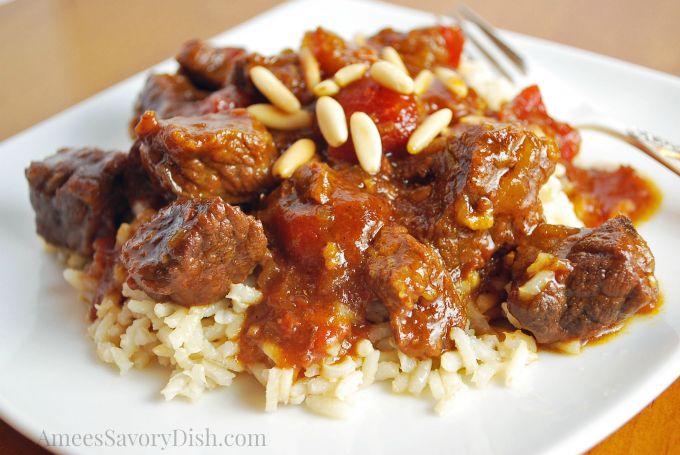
x: 58, y: 52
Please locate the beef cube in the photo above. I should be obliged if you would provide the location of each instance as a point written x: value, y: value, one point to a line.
x: 333, y: 52
x: 78, y: 196
x: 227, y: 154
x: 411, y: 280
x: 423, y: 48
x: 209, y: 68
x: 140, y: 191
x: 528, y: 108
x: 169, y: 95
x: 193, y: 250
x: 173, y: 95
x: 482, y: 191
x: 571, y: 283
x: 285, y: 66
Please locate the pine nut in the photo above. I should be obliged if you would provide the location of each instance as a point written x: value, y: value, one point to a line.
x: 422, y: 82
x: 350, y: 73
x: 332, y: 122
x: 390, y: 76
x: 474, y: 120
x: 295, y: 156
x: 275, y: 91
x: 452, y: 80
x: 273, y: 117
x: 326, y: 87
x: 360, y: 39
x: 428, y: 130
x: 391, y: 55
x: 366, y: 140
x: 310, y: 68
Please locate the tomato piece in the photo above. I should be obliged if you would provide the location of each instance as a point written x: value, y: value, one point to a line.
x: 454, y: 42
x: 395, y: 115
x: 601, y: 194
x: 528, y: 107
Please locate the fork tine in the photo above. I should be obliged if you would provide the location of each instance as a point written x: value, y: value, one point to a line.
x: 480, y: 47
x: 489, y: 31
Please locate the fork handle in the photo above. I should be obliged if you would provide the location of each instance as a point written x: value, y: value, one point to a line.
x: 662, y: 155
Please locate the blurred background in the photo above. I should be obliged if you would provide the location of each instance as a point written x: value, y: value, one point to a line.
x: 55, y: 53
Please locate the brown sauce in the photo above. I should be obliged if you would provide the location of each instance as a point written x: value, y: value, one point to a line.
x: 643, y: 313
x: 599, y: 195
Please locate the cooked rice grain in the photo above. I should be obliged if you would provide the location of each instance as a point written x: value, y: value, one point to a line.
x: 200, y: 345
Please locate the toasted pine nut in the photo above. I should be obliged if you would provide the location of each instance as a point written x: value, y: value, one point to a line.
x: 275, y: 91
x: 422, y: 82
x: 452, y: 80
x: 428, y: 130
x: 326, y: 87
x: 474, y: 120
x: 389, y: 75
x: 391, y: 55
x: 332, y: 122
x: 367, y: 143
x: 310, y: 68
x: 273, y: 117
x: 360, y: 39
x: 295, y: 156
x: 350, y: 73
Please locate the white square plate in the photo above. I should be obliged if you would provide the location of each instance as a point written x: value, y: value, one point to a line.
x: 51, y: 380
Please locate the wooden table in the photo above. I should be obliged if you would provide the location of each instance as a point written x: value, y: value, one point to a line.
x: 58, y: 52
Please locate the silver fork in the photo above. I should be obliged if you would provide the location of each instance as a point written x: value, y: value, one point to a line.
x: 659, y: 149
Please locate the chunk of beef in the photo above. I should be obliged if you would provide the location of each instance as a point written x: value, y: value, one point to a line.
x: 227, y: 154
x: 573, y: 283
x: 193, y: 250
x: 473, y: 194
x: 285, y: 66
x: 527, y: 107
x: 140, y: 191
x: 411, y: 280
x: 209, y: 68
x: 169, y: 95
x: 333, y: 52
x: 106, y: 269
x: 438, y: 96
x: 77, y: 195
x: 173, y: 95
x: 423, y: 48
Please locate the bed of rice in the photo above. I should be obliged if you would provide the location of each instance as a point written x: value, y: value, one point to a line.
x: 199, y: 345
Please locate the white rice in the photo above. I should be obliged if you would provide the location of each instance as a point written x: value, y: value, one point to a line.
x: 557, y: 208
x: 199, y: 346
x: 493, y: 89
